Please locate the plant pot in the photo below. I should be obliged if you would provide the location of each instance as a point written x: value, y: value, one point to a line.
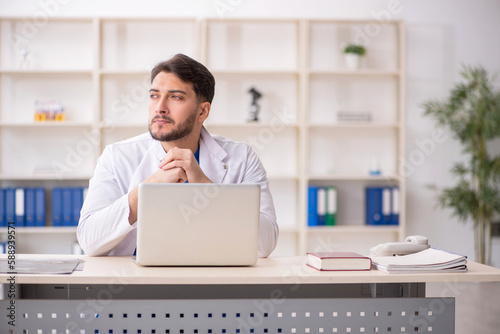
x: 352, y: 61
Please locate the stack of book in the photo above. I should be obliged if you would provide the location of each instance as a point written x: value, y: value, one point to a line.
x: 333, y: 261
x: 430, y: 260
x: 354, y: 116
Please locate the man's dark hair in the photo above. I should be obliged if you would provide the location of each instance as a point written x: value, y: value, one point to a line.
x: 190, y: 71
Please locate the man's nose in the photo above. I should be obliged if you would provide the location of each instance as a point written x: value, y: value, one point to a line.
x: 161, y: 107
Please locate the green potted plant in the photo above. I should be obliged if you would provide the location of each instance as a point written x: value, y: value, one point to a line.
x: 472, y: 113
x: 353, y: 54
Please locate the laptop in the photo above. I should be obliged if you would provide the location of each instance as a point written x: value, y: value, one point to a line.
x: 194, y: 224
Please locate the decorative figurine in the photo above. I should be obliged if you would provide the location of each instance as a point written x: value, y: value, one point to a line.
x: 254, y: 107
x: 24, y: 58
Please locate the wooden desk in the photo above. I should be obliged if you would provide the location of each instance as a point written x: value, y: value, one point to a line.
x: 277, y: 295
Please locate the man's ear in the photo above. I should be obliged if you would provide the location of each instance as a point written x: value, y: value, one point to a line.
x: 204, y: 111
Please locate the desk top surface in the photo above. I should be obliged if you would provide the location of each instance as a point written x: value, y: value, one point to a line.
x: 273, y: 270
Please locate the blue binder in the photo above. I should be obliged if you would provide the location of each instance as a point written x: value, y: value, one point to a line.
x: 386, y: 206
x: 57, y: 212
x: 39, y: 207
x: 67, y: 203
x: 20, y: 206
x: 3, y: 218
x: 395, y: 206
x: 373, y: 196
x: 77, y: 204
x: 29, y: 204
x: 312, y: 218
x: 10, y: 205
x: 321, y: 205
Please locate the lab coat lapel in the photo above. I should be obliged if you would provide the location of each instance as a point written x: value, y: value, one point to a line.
x: 212, y: 158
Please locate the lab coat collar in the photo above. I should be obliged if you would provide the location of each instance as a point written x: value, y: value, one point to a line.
x: 212, y: 156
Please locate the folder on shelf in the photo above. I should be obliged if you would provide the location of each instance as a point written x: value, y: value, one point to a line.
x: 29, y: 195
x: 19, y: 207
x: 39, y: 207
x: 382, y: 205
x: 373, y: 199
x: 67, y: 203
x: 331, y: 206
x: 77, y: 204
x: 312, y: 199
x: 10, y: 205
x: 395, y: 206
x: 321, y: 207
x: 3, y: 218
x: 386, y: 206
x: 57, y: 212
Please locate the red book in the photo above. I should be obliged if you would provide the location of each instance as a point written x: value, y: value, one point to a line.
x: 338, y: 261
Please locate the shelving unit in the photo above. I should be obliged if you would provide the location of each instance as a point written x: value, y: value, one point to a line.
x: 99, y: 69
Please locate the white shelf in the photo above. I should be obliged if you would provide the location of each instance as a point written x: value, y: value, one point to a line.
x: 250, y: 125
x: 289, y: 230
x: 255, y: 72
x: 47, y: 124
x: 47, y: 71
x: 102, y: 75
x: 353, y: 229
x: 124, y: 72
x: 42, y: 230
x: 353, y: 177
x: 44, y: 176
x: 366, y: 72
x: 125, y: 126
x: 275, y: 177
x: 355, y: 125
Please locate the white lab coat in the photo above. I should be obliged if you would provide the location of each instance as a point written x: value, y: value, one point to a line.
x: 104, y: 228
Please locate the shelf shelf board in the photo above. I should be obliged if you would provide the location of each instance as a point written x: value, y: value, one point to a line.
x: 288, y: 230
x: 355, y: 125
x: 44, y: 177
x: 142, y: 125
x: 125, y: 72
x: 273, y: 177
x: 42, y: 230
x: 354, y: 229
x: 255, y: 72
x: 42, y: 71
x: 353, y: 177
x: 47, y: 124
x: 255, y: 125
x: 355, y: 72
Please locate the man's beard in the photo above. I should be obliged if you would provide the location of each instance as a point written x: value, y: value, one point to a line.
x: 181, y: 131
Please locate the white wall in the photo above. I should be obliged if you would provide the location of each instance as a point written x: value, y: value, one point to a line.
x: 441, y: 35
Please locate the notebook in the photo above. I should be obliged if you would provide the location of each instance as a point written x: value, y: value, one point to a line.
x: 193, y: 224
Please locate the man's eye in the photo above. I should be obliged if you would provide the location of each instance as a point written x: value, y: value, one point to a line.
x: 153, y: 96
x: 177, y: 97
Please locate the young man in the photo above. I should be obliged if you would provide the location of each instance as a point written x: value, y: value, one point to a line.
x: 177, y: 149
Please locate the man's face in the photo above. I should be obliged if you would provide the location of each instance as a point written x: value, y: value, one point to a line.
x: 173, y: 108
